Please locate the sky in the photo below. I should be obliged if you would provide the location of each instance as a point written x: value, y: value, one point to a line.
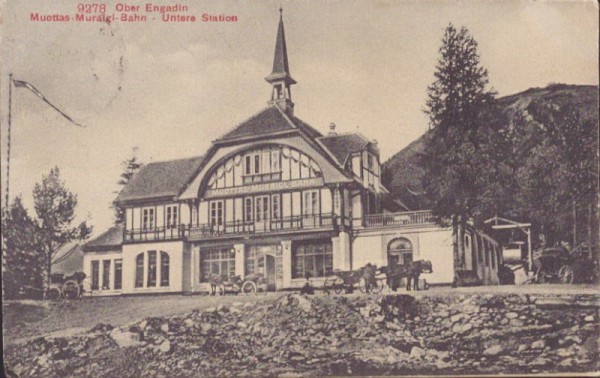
x: 169, y: 89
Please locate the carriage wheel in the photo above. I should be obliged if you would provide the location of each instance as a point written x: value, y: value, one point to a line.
x: 337, y: 285
x: 53, y: 294
x: 565, y: 274
x: 249, y: 287
x: 71, y: 289
x: 362, y: 285
x: 328, y: 284
x: 378, y: 287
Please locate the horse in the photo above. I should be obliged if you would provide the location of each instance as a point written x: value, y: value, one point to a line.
x: 411, y: 271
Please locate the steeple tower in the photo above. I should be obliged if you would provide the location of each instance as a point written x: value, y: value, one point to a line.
x: 280, y: 77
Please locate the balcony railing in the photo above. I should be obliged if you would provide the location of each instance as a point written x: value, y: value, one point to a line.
x: 310, y: 222
x: 305, y: 222
x: 412, y: 218
x: 158, y: 233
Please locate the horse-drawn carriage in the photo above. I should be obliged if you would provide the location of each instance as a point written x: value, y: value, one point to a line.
x: 251, y: 284
x: 68, y: 287
x: 348, y: 280
x: 411, y: 272
x: 375, y: 282
x: 557, y: 264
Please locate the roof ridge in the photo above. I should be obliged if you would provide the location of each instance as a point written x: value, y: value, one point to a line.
x: 231, y: 129
x: 173, y: 160
x: 347, y: 133
x: 287, y: 118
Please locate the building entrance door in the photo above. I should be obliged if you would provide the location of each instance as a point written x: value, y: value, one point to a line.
x: 266, y: 261
x: 400, y: 252
x: 266, y: 266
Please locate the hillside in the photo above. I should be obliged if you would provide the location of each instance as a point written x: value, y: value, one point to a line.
x: 403, y: 168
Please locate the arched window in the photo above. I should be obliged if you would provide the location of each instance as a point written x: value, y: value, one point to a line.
x: 164, y: 269
x: 139, y: 270
x: 151, y: 268
x: 154, y: 269
x: 400, y: 251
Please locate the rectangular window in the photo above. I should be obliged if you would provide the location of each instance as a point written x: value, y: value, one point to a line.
x: 275, y: 208
x: 248, y: 210
x: 262, y: 208
x: 259, y: 213
x: 311, y: 203
x: 275, y: 162
x: 106, y: 275
x: 164, y: 269
x: 139, y: 270
x: 250, y: 267
x: 118, y: 274
x: 248, y: 165
x: 312, y: 259
x: 216, y: 213
x: 172, y: 217
x: 151, y: 268
x: 95, y: 275
x: 218, y: 260
x: 256, y: 164
x: 148, y: 219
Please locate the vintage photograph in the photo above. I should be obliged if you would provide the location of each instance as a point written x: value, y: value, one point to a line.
x: 299, y: 188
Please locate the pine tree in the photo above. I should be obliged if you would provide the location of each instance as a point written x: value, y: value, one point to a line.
x: 130, y: 167
x: 457, y: 149
x: 22, y: 258
x: 55, y: 207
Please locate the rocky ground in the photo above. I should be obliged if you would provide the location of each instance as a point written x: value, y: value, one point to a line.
x: 334, y: 335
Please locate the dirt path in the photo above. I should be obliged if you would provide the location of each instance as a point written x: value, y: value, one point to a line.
x: 25, y: 320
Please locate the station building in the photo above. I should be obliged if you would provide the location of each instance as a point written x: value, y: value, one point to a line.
x: 272, y: 196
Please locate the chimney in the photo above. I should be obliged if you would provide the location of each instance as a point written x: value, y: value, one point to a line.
x: 332, y: 129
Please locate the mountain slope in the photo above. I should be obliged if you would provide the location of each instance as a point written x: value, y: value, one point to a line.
x: 403, y: 171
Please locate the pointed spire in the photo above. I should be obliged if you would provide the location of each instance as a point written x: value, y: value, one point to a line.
x: 281, y: 69
x: 280, y: 78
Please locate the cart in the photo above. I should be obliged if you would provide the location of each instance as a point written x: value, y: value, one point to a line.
x: 348, y: 280
x: 553, y: 264
x: 69, y: 287
x: 251, y: 284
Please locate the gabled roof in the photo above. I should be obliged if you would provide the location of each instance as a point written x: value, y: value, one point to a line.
x: 308, y: 129
x: 110, y: 239
x: 68, y: 259
x: 268, y: 120
x: 159, y: 180
x: 343, y: 145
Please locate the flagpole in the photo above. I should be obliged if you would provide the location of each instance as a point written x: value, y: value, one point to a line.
x: 10, y: 84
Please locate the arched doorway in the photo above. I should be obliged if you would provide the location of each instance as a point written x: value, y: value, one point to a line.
x: 264, y: 260
x: 400, y: 252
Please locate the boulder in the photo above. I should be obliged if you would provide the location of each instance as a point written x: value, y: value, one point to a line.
x: 417, y: 352
x: 538, y: 344
x: 126, y: 339
x: 494, y: 350
x: 165, y: 346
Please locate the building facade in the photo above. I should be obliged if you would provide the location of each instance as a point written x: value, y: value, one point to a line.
x: 271, y: 196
